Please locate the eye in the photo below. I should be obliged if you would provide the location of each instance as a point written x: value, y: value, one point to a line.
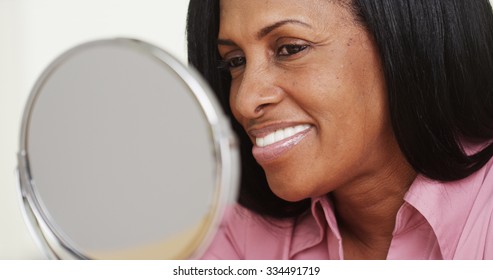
x: 232, y: 62
x: 288, y: 50
x: 236, y: 61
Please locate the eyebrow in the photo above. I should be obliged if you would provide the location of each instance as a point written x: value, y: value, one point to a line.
x: 266, y: 30
x: 225, y: 42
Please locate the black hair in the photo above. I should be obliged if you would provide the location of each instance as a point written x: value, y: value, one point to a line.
x: 438, y: 66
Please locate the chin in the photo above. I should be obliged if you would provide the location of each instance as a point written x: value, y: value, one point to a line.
x: 289, y: 192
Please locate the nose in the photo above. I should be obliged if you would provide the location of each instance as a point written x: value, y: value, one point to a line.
x: 255, y: 93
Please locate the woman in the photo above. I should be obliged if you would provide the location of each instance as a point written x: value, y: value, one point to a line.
x: 366, y: 126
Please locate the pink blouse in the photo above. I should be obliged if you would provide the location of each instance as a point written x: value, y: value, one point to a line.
x: 451, y: 220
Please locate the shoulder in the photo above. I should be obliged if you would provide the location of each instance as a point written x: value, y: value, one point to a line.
x: 487, y: 200
x: 244, y: 234
x: 483, y: 181
x: 460, y: 212
x: 476, y: 241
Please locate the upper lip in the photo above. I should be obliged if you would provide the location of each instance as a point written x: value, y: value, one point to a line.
x: 262, y: 130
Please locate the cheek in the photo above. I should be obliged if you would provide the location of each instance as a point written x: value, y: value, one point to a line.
x: 348, y: 103
x: 328, y: 98
x: 232, y: 100
x: 356, y: 93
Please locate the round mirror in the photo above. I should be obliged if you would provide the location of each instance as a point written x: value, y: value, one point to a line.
x: 124, y: 154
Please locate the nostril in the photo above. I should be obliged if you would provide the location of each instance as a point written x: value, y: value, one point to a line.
x: 259, y: 108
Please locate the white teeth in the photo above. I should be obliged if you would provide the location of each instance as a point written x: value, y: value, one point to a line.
x: 289, y: 131
x: 280, y: 135
x: 300, y: 128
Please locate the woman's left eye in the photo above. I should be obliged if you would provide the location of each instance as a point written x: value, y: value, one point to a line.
x: 287, y: 50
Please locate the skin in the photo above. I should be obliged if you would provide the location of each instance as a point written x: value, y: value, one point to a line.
x: 309, y: 62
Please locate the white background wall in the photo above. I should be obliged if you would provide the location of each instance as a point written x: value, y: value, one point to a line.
x: 32, y: 34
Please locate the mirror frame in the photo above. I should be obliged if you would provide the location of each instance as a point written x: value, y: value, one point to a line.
x: 226, y: 152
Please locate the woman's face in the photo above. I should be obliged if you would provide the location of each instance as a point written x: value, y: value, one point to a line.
x: 308, y: 88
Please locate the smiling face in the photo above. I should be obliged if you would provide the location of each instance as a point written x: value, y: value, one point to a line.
x: 308, y: 88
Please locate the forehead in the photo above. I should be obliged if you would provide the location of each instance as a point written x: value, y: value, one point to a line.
x: 249, y: 16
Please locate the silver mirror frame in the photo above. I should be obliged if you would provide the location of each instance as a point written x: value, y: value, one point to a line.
x: 225, y: 149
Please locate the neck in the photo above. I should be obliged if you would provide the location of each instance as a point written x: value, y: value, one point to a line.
x: 366, y: 211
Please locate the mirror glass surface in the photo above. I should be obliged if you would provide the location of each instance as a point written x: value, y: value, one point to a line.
x: 124, y: 155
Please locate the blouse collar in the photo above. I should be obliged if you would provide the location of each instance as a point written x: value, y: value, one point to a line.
x: 444, y: 205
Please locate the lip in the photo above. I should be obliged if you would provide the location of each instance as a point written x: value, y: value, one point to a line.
x: 273, y: 151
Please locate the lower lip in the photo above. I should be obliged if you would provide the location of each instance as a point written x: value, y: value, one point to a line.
x: 274, y: 151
